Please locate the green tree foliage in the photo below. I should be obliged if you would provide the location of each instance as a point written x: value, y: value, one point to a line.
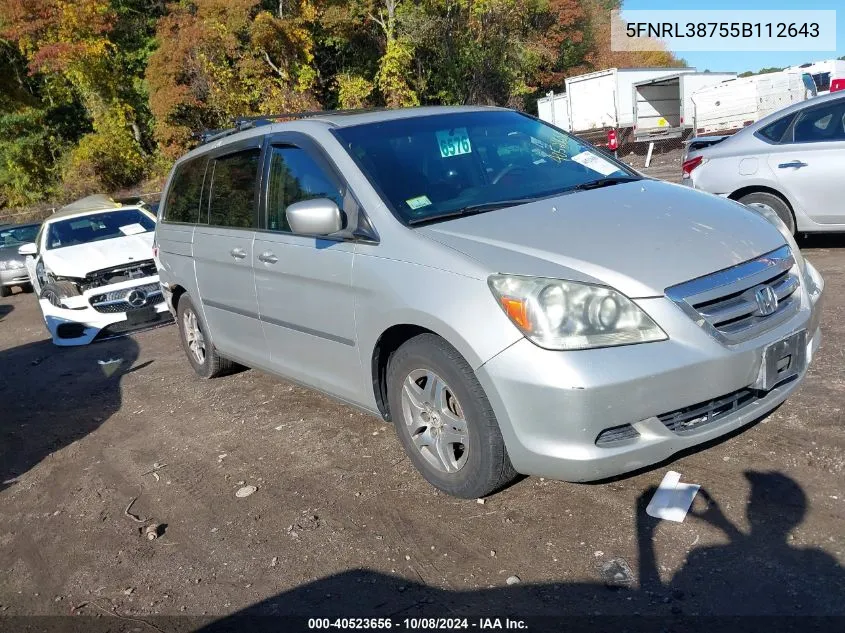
x: 99, y: 94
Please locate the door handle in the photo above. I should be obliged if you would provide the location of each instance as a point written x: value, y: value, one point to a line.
x: 268, y: 258
x: 237, y: 253
x: 794, y: 163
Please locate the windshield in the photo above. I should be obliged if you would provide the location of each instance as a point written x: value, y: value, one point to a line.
x: 17, y: 235
x: 450, y: 164
x: 97, y: 227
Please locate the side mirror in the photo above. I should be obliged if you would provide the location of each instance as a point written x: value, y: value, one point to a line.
x: 28, y: 249
x: 319, y: 216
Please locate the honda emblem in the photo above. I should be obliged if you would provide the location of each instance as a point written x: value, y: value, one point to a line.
x: 767, y: 300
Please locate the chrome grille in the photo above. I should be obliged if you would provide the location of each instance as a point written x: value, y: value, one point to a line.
x: 739, y: 303
x: 118, y: 300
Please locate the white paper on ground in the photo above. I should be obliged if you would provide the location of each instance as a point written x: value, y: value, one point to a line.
x: 673, y: 499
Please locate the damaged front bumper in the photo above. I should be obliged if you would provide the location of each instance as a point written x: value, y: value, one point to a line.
x: 106, y: 312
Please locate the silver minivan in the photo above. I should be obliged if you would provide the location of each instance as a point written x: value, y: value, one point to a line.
x: 513, y: 300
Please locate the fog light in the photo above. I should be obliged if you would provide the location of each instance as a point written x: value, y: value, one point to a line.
x: 70, y: 330
x: 616, y: 435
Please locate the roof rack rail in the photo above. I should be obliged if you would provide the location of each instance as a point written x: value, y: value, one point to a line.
x: 305, y: 115
x: 248, y: 122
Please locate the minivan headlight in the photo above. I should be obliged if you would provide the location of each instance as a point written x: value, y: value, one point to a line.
x: 568, y: 315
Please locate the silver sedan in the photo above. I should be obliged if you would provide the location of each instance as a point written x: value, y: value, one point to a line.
x: 789, y: 163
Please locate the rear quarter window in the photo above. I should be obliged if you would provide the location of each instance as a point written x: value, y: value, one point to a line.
x: 184, y: 196
x: 774, y: 132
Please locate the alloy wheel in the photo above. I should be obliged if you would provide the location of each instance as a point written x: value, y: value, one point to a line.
x: 435, y: 420
x: 193, y: 335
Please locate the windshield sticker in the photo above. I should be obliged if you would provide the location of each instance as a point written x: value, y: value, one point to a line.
x: 132, y: 229
x: 419, y: 202
x: 453, y: 142
x: 595, y: 162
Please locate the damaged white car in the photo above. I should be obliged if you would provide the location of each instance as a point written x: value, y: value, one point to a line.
x: 92, y: 267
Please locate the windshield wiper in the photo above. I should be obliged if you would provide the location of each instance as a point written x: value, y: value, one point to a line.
x: 604, y: 182
x: 473, y: 209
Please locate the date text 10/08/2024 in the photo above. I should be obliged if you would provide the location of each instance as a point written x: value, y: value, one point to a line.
x: 418, y: 624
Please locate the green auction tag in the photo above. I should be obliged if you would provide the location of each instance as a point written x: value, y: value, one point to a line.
x: 453, y: 142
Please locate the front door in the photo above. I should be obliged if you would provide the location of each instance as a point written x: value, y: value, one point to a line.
x: 304, y: 282
x: 223, y: 249
x: 811, y: 165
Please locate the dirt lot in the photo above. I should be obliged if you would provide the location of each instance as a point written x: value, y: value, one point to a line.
x: 341, y: 525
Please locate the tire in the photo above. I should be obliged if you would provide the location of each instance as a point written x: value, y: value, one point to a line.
x: 27, y: 288
x: 208, y: 363
x: 473, y: 468
x: 773, y: 202
x: 5, y: 291
x: 55, y: 291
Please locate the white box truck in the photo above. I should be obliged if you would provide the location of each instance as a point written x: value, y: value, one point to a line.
x: 603, y: 100
x: 663, y: 107
x: 554, y: 109
x: 729, y: 106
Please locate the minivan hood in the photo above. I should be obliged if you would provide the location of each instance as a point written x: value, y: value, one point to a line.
x: 81, y: 259
x: 639, y: 237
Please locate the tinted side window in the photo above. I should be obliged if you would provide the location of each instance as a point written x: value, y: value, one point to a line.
x: 183, y: 198
x: 232, y: 198
x: 826, y: 123
x: 775, y: 131
x: 294, y: 176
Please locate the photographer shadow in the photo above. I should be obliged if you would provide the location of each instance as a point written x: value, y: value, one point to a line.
x: 759, y: 573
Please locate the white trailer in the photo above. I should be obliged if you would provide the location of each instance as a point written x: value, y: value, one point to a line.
x: 823, y: 73
x: 554, y: 109
x: 603, y: 100
x: 732, y: 105
x: 663, y: 107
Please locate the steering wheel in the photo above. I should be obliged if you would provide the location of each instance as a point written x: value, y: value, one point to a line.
x: 509, y: 169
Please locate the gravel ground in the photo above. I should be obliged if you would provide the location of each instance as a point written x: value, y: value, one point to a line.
x: 665, y: 161
x: 342, y: 525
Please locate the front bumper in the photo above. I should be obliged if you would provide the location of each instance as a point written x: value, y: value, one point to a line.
x: 79, y: 323
x: 552, y: 406
x: 14, y: 277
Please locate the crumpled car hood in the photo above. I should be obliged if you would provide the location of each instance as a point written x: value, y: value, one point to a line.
x: 639, y: 237
x: 81, y: 259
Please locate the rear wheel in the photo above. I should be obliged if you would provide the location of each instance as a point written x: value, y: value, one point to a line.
x: 444, y: 420
x: 5, y: 291
x: 198, y: 347
x: 771, y: 202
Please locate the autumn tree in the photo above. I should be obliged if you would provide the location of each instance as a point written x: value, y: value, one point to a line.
x: 220, y: 59
x: 601, y: 54
x: 69, y: 45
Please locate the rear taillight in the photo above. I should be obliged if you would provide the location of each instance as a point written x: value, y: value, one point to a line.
x: 689, y: 165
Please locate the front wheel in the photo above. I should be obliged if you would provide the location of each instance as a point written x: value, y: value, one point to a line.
x: 771, y: 202
x: 444, y: 420
x: 198, y: 347
x: 57, y: 291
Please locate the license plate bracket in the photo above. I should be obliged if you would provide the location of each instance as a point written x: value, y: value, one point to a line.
x: 142, y: 315
x: 783, y: 360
